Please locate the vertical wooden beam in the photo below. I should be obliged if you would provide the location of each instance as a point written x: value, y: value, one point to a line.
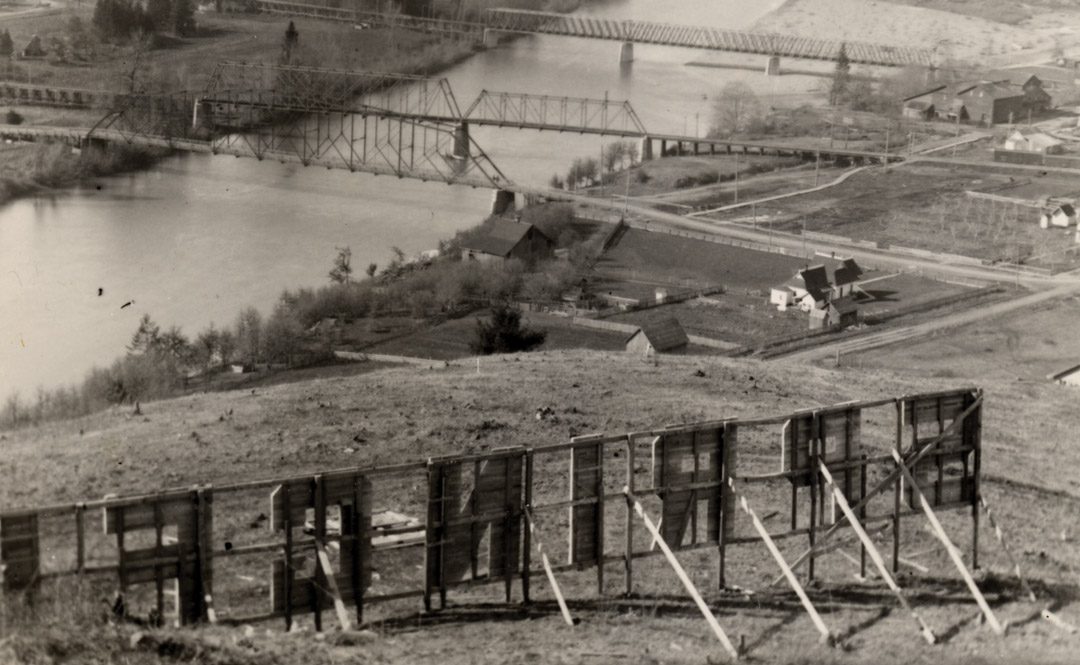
x: 80, y: 538
x: 205, y: 550
x: 868, y: 546
x: 121, y: 564
x: 508, y: 528
x: 159, y: 580
x: 629, y: 547
x: 683, y: 577
x: 814, y: 494
x: 976, y: 439
x: 954, y: 553
x: 356, y: 572
x: 898, y: 445
x: 600, y: 518
x: 287, y: 524
x: 526, y: 555
x: 319, y: 583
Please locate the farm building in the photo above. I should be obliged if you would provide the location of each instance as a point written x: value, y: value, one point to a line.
x: 844, y: 277
x: 984, y: 102
x: 1062, y: 216
x: 840, y: 312
x: 919, y: 109
x: 1034, y: 142
x: 506, y: 239
x: 812, y: 288
x: 1068, y: 377
x: 666, y: 336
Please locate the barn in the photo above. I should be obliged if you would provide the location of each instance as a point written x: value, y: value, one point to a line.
x: 664, y: 336
x: 503, y: 239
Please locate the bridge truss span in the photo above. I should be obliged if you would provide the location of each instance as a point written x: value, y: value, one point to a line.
x: 543, y: 112
x: 647, y: 32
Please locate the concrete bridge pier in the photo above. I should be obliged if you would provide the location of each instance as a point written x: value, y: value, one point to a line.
x: 461, y: 142
x: 626, y: 53
x: 772, y: 66
x: 646, y: 149
x: 502, y: 200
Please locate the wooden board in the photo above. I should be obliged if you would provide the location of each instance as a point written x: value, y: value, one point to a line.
x: 839, y: 433
x: 586, y: 477
x: 175, y: 508
x: 680, y: 461
x: 946, y: 475
x: 20, y: 551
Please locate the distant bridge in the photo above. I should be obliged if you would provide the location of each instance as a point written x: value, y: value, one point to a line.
x: 495, y: 21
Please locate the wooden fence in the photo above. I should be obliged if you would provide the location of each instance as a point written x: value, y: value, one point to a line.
x: 285, y: 547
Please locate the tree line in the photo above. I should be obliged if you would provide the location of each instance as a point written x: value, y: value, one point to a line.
x: 119, y: 20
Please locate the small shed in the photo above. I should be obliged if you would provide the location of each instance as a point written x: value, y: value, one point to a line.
x: 1063, y: 216
x: 919, y: 109
x: 33, y: 48
x: 1034, y: 142
x: 1068, y: 377
x: 841, y: 312
x: 504, y: 239
x: 665, y: 336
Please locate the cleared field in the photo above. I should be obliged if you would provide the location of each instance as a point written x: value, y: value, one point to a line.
x: 733, y: 318
x: 406, y: 413
x: 925, y: 207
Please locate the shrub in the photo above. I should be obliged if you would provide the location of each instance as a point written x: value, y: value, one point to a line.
x: 12, y: 117
x: 504, y: 333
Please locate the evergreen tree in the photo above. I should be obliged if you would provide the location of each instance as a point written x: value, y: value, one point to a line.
x: 505, y: 334
x: 841, y: 77
x: 7, y: 46
x: 183, y: 18
x: 292, y: 38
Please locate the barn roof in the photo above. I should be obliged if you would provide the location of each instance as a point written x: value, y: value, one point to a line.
x: 500, y: 236
x: 848, y: 272
x: 816, y: 281
x: 664, y: 335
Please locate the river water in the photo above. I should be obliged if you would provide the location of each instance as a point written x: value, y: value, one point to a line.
x: 196, y: 238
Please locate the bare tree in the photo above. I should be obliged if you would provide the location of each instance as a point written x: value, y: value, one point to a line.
x: 735, y: 109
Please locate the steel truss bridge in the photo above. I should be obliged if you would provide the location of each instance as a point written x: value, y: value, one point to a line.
x: 640, y: 32
x: 372, y: 122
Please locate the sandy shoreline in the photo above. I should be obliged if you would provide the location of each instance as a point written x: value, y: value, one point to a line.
x: 952, y: 36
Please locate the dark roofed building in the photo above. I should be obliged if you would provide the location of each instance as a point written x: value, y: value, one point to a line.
x: 664, y: 336
x: 844, y: 277
x: 506, y: 239
x: 984, y: 102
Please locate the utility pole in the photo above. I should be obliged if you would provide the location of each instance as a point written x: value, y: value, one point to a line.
x: 736, y: 177
x: 817, y: 167
x: 886, y: 156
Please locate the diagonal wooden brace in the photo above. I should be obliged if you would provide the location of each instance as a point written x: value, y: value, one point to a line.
x: 888, y: 482
x: 954, y: 554
x: 331, y: 585
x: 547, y: 569
x: 875, y: 556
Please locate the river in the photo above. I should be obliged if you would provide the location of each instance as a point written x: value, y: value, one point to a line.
x: 196, y: 238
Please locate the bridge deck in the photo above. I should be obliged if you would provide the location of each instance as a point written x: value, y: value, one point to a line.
x: 643, y: 32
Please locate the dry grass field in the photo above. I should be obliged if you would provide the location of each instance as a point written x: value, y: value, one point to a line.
x: 409, y: 413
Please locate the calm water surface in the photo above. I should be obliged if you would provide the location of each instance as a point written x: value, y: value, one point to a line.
x: 196, y: 238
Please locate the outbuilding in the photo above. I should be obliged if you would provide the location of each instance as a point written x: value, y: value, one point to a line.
x: 1034, y: 142
x: 503, y: 239
x: 1062, y: 216
x: 664, y: 336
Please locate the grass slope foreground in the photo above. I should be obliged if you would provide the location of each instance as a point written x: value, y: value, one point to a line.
x: 386, y: 414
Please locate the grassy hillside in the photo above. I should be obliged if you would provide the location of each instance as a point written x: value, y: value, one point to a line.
x: 394, y: 414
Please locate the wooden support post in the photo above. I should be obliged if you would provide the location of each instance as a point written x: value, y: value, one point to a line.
x: 897, y: 489
x: 954, y: 554
x: 360, y: 535
x: 159, y: 580
x: 319, y: 583
x: 287, y: 523
x: 331, y: 585
x: 508, y: 528
x: 826, y: 636
x: 121, y: 565
x: 812, y: 453
x: 80, y: 538
x: 683, y: 577
x: 868, y: 547
x: 600, y: 519
x: 547, y: 570
x: 526, y: 555
x: 629, y: 572
x: 976, y: 440
x: 890, y: 480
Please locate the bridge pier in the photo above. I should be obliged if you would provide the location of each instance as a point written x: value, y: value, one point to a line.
x: 501, y: 201
x: 461, y: 141
x: 646, y: 149
x: 626, y: 53
x: 772, y: 66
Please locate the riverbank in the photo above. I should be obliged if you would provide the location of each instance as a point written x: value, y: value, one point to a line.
x: 952, y: 36
x: 32, y: 169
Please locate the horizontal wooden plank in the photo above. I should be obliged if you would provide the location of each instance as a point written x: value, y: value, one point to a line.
x: 175, y: 508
